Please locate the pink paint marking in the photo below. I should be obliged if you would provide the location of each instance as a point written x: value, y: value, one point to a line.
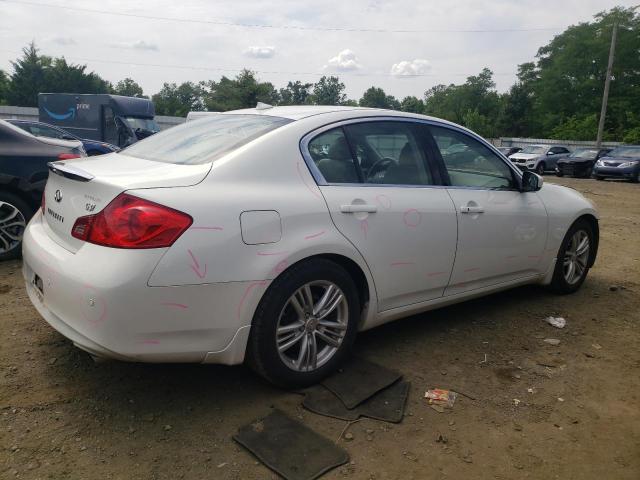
x: 475, y: 269
x: 150, y: 342
x: 400, y: 264
x: 383, y: 201
x: 434, y: 274
x: 281, y: 266
x: 196, y: 266
x: 364, y: 226
x: 412, y: 218
x: 251, y: 286
x: 315, y: 193
x: 314, y: 235
x: 207, y: 228
x: 270, y: 254
x: 176, y: 305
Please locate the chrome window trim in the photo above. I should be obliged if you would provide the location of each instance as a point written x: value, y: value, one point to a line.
x: 321, y: 182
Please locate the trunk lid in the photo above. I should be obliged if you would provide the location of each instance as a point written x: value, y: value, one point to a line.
x: 85, y: 186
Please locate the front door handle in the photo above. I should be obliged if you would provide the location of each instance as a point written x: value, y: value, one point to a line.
x: 356, y: 208
x: 471, y: 209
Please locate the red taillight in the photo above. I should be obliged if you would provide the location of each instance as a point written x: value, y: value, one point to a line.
x: 131, y: 222
x: 68, y: 156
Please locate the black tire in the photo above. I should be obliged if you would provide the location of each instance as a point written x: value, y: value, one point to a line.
x: 598, y: 177
x: 262, y: 351
x: 559, y: 173
x: 10, y: 201
x: 540, y: 168
x: 558, y: 283
x: 635, y: 178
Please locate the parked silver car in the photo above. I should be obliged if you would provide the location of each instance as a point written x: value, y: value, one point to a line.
x: 539, y: 158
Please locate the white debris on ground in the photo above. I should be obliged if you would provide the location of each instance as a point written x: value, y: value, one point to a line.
x: 557, y: 322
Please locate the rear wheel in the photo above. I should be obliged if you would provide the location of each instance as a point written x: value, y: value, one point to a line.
x: 559, y: 173
x: 572, y: 264
x: 598, y: 177
x: 14, y: 215
x: 540, y: 168
x: 636, y: 177
x: 305, y: 325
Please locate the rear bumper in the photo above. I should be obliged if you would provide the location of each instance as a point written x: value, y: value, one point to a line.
x: 99, y: 298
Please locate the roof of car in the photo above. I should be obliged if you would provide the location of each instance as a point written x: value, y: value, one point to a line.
x: 296, y: 112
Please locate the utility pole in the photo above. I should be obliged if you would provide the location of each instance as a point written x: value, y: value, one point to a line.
x: 607, y: 83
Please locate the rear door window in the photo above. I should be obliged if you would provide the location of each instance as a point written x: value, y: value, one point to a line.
x: 206, y: 140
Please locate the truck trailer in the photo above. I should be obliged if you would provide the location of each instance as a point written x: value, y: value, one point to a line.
x: 107, y: 118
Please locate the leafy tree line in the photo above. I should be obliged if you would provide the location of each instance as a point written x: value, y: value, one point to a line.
x: 557, y: 95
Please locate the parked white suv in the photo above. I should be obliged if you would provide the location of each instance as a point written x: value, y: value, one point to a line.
x: 539, y: 158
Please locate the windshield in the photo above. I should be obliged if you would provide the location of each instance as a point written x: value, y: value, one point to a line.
x: 204, y: 141
x: 626, y: 152
x: 534, y: 149
x: 585, y: 153
x: 148, y: 124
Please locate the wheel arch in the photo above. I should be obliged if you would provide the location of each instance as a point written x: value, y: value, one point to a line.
x: 595, y: 227
x: 364, y: 284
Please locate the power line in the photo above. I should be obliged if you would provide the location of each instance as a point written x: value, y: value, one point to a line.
x: 272, y: 72
x: 283, y: 27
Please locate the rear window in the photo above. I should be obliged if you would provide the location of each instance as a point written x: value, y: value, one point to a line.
x: 205, y: 140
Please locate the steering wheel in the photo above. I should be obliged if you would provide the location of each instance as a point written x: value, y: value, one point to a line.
x: 379, y: 166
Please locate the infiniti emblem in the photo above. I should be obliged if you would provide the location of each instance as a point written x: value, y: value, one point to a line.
x: 58, y: 196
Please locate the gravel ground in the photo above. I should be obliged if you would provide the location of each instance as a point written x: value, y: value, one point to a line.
x: 577, y: 416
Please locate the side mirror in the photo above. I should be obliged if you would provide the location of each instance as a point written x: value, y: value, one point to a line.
x: 531, y: 182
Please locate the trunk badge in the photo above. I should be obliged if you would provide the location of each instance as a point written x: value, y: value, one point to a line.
x: 58, y: 196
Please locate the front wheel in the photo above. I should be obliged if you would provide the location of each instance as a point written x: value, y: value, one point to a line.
x: 305, y: 324
x: 572, y: 264
x: 540, y: 168
x: 598, y: 177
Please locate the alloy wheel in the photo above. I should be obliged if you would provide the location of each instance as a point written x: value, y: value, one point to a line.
x: 12, y: 226
x: 576, y: 257
x: 312, y: 325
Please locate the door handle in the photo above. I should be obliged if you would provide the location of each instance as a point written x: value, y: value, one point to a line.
x: 471, y: 209
x: 356, y: 208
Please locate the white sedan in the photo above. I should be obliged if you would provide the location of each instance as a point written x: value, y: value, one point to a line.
x: 274, y: 235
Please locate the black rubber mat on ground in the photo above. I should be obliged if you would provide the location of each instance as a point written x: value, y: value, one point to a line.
x: 290, y: 448
x: 386, y: 405
x: 359, y: 380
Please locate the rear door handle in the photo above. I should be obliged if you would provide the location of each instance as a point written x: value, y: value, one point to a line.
x: 471, y: 209
x: 355, y: 208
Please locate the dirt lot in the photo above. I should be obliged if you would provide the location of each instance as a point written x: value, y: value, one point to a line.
x: 65, y: 417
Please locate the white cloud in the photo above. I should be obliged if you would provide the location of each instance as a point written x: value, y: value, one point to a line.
x: 63, y: 40
x: 142, y: 45
x: 260, y: 51
x: 345, y: 61
x: 408, y: 68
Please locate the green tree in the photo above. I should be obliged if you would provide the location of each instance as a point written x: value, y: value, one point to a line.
x: 375, y: 97
x: 571, y: 69
x: 412, y: 104
x: 244, y: 91
x: 28, y: 77
x: 329, y: 91
x: 129, y: 88
x: 577, y: 128
x: 61, y: 76
x: 295, y: 93
x: 4, y: 88
x: 178, y: 100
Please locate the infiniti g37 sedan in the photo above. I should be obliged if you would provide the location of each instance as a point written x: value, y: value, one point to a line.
x: 274, y: 235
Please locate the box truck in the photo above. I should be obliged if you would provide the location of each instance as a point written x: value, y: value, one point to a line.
x: 107, y: 118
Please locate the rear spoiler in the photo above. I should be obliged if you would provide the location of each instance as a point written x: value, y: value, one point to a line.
x: 68, y: 171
